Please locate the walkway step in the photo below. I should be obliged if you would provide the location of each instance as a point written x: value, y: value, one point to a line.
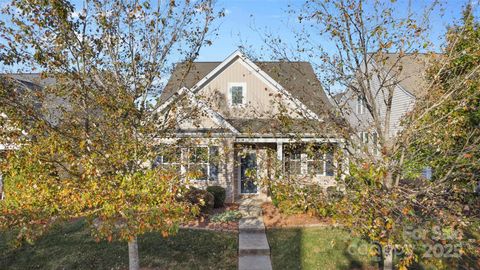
x: 250, y: 212
x: 251, y: 224
x: 254, y: 243
x: 254, y: 262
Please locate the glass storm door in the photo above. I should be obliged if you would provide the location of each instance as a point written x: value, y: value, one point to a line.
x: 248, y: 172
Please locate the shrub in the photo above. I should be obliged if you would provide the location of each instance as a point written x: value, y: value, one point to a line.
x: 219, y: 195
x: 202, y: 198
x: 227, y: 216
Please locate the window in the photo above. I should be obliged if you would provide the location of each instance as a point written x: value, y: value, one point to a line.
x: 309, y: 161
x: 364, y: 137
x: 321, y: 162
x: 360, y: 105
x: 293, y: 162
x: 169, y: 158
x: 237, y: 93
x: 201, y: 163
x: 316, y: 163
x: 329, y: 164
x: 214, y: 161
x: 198, y: 163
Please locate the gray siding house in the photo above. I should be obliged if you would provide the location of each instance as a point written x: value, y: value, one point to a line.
x: 406, y: 74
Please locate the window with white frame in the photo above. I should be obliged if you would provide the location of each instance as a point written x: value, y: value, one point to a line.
x: 293, y: 161
x: 320, y: 162
x: 203, y: 163
x: 364, y: 137
x: 360, y: 105
x: 169, y: 158
x: 315, y: 163
x: 198, y: 163
x: 309, y: 161
x: 237, y: 93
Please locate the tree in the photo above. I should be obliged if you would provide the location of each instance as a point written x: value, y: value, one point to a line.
x: 90, y: 131
x: 352, y: 43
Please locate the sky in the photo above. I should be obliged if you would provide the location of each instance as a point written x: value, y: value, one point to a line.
x: 242, y: 16
x: 246, y: 20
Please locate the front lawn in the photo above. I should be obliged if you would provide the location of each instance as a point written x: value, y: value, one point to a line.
x: 72, y: 247
x: 317, y: 248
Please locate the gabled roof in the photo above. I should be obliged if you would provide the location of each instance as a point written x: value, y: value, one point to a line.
x: 297, y: 78
x: 410, y: 69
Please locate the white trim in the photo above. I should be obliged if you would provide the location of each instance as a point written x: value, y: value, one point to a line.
x: 244, y: 93
x: 212, y: 73
x: 216, y: 117
x: 270, y: 81
x: 213, y: 114
x: 260, y: 74
x: 286, y: 140
x: 170, y: 100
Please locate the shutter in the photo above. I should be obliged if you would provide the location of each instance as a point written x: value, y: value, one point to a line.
x: 213, y: 163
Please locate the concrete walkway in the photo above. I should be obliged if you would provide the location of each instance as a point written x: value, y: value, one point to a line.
x: 253, y: 248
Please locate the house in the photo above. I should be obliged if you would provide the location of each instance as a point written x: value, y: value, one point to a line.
x: 246, y: 121
x: 405, y: 76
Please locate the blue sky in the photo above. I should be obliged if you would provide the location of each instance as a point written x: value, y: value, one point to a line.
x: 242, y: 16
x: 236, y: 27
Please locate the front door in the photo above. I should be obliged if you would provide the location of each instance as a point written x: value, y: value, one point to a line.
x: 248, y: 173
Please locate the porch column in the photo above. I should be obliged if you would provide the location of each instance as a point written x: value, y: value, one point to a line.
x: 280, y: 159
x: 280, y: 151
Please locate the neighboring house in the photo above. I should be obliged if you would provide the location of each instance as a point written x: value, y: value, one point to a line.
x: 405, y: 75
x: 263, y: 119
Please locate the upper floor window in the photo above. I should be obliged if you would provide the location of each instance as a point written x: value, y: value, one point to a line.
x: 360, y: 105
x: 364, y: 137
x: 237, y: 93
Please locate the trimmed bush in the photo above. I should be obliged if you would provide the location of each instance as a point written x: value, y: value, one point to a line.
x: 202, y: 198
x: 219, y: 195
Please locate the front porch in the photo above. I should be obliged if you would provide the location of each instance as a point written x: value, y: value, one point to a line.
x: 259, y: 160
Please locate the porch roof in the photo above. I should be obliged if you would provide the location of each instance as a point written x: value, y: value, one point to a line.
x: 281, y: 126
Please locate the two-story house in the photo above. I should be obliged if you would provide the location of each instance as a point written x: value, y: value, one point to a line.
x: 397, y: 81
x: 268, y: 118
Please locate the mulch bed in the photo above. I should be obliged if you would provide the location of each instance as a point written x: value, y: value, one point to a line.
x: 203, y: 221
x: 273, y: 218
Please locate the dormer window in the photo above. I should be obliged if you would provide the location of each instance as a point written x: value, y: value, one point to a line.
x: 237, y: 93
x: 360, y: 105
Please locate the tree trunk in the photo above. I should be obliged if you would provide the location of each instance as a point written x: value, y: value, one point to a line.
x: 133, y: 260
x: 387, y: 258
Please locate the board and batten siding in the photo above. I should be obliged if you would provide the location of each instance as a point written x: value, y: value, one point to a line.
x: 262, y: 100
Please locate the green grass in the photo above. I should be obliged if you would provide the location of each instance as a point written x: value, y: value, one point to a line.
x: 71, y: 247
x: 317, y: 248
